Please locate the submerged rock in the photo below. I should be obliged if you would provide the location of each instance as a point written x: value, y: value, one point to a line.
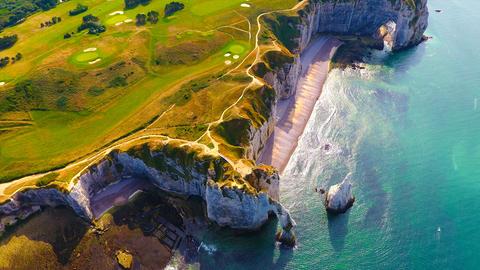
x: 339, y: 198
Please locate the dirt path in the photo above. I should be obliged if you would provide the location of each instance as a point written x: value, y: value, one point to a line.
x: 294, y: 113
x: 88, y: 161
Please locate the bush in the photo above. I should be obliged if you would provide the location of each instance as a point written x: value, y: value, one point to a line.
x: 46, y: 179
x: 4, y: 61
x: 93, y: 25
x: 13, y: 12
x: 141, y: 19
x: 95, y: 91
x: 173, y: 7
x: 79, y: 9
x: 129, y: 4
x: 152, y: 17
x: 7, y: 42
x: 119, y: 81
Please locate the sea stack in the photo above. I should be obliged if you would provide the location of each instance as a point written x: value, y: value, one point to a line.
x: 339, y: 198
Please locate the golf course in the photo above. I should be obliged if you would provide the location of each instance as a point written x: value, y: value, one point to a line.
x: 75, y: 94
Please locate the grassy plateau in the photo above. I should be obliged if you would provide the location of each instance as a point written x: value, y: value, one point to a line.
x: 70, y: 98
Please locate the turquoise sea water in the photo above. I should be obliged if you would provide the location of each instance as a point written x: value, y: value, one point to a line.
x: 408, y: 129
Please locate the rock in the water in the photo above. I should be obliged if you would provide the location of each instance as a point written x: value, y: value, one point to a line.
x: 124, y: 259
x: 286, y: 236
x: 339, y: 198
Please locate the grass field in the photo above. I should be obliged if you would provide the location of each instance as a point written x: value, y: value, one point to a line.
x: 76, y: 107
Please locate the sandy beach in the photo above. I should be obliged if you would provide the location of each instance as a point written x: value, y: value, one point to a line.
x: 294, y: 113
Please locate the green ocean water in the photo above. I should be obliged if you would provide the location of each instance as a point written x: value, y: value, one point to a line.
x: 408, y: 130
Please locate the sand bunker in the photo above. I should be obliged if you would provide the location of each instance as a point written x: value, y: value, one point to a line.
x: 2, y: 83
x: 116, y: 13
x: 227, y: 54
x: 118, y: 23
x: 245, y: 5
x: 90, y: 50
x: 95, y: 61
x: 128, y: 21
x: 228, y: 62
x: 236, y: 56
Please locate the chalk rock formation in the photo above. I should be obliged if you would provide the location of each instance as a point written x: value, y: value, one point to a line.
x: 365, y: 18
x: 339, y: 197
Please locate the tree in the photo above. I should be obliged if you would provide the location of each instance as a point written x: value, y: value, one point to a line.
x: 67, y: 35
x: 173, y: 7
x: 46, y: 4
x: 93, y: 25
x: 129, y: 4
x: 79, y: 9
x: 152, y: 16
x: 141, y: 19
x: 4, y: 61
x: 7, y: 42
x: 18, y: 57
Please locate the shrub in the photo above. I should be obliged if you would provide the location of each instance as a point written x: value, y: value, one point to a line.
x: 118, y: 81
x: 7, y: 42
x: 141, y: 19
x: 152, y: 17
x: 93, y: 25
x: 79, y: 9
x: 173, y: 7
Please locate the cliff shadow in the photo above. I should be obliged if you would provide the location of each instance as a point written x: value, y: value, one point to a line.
x: 338, y: 230
x: 59, y: 227
x: 223, y: 248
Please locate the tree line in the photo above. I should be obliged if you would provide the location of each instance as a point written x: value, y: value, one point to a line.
x: 53, y: 21
x: 7, y: 42
x: 4, y: 61
x: 18, y: 10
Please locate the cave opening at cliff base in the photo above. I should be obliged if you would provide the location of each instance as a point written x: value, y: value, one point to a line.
x: 387, y: 33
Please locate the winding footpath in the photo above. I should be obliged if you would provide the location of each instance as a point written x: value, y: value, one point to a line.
x: 294, y: 113
x: 95, y: 157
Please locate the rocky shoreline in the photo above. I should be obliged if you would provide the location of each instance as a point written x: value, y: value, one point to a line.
x: 233, y: 199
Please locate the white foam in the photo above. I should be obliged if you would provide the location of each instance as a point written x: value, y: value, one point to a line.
x: 236, y: 56
x: 95, y: 61
x: 228, y: 55
x: 90, y: 50
x: 245, y: 5
x: 228, y: 62
x: 119, y: 12
x: 128, y: 21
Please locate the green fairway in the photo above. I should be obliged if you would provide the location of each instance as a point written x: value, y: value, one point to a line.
x: 211, y: 6
x: 113, y: 20
x: 90, y: 90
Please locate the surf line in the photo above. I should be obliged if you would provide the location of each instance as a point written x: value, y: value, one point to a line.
x: 293, y: 113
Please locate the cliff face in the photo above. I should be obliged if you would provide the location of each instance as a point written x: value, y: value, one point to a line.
x: 231, y: 199
x: 243, y: 202
x: 365, y: 18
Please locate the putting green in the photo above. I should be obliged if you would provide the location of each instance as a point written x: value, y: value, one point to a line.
x: 86, y: 57
x: 116, y: 19
x: 236, y: 49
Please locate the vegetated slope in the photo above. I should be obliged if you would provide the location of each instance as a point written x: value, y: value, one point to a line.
x: 73, y: 93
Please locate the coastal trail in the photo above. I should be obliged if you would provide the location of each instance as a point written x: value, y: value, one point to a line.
x: 88, y: 161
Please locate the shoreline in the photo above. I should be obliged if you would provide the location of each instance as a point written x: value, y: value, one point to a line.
x: 293, y: 113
